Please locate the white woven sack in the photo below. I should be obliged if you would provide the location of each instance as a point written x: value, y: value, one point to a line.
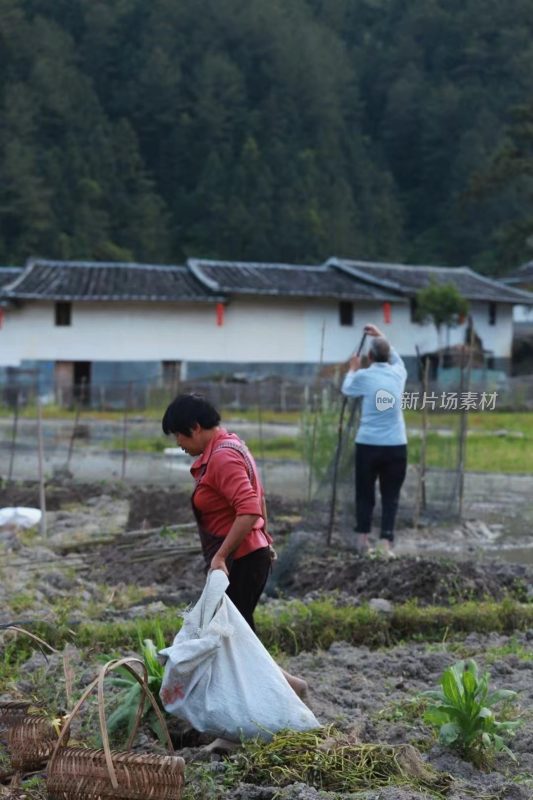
x: 20, y: 517
x: 220, y: 678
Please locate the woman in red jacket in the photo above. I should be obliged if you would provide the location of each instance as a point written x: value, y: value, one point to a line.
x: 228, y: 502
x: 228, y: 499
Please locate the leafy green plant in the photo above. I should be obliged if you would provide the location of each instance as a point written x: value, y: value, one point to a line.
x: 462, y: 710
x: 318, y: 437
x: 131, y: 694
x: 408, y: 710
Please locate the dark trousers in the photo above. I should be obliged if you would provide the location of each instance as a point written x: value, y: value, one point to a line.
x: 247, y: 578
x: 388, y: 463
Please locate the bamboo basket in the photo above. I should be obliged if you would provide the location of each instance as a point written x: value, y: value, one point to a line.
x: 76, y: 773
x: 11, y: 712
x: 31, y: 742
x: 6, y: 768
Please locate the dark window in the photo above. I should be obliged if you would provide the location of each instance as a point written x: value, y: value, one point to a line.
x: 345, y: 312
x: 492, y: 313
x: 63, y: 313
x: 491, y: 363
x: 413, y: 307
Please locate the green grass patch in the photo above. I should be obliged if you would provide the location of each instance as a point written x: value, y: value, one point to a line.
x: 510, y: 648
x: 296, y: 626
x: 477, y: 420
x: 264, y: 415
x: 12, y: 655
x: 409, y: 710
x: 483, y: 453
x: 153, y: 412
x: 140, y: 444
x: 282, y: 447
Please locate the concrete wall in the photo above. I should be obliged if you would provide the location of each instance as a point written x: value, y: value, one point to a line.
x: 255, y: 331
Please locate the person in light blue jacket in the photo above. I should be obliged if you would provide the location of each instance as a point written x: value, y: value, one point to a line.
x: 381, y: 440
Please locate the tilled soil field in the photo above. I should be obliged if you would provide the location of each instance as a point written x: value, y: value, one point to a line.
x: 373, y: 694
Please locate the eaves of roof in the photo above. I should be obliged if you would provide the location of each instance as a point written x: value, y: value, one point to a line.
x: 522, y: 297
x: 523, y: 276
x: 284, y: 280
x: 106, y: 282
x: 362, y: 270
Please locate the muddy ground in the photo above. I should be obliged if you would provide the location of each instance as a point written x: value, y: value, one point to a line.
x: 367, y: 692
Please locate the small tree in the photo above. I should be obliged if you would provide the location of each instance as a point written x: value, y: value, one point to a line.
x: 441, y: 304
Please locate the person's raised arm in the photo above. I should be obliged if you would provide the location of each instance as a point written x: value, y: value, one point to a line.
x: 354, y: 380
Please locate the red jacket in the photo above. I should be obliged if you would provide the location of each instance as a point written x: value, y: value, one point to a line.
x: 224, y: 491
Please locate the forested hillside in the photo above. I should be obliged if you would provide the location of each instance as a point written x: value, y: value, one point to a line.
x: 267, y: 129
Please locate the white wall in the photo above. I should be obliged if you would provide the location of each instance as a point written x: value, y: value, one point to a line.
x: 255, y: 330
x: 154, y: 331
x: 403, y: 334
x: 499, y: 337
x: 523, y: 315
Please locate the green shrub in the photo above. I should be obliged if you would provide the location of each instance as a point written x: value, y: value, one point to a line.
x: 131, y: 694
x: 462, y: 710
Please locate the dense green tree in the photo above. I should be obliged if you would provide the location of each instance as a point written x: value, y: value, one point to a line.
x: 283, y: 130
x: 508, y: 181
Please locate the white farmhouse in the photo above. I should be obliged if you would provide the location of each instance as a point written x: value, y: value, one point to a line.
x: 522, y: 278
x: 102, y: 323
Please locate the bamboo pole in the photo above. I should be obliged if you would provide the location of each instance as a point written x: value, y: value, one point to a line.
x: 125, y: 432
x: 40, y: 465
x: 14, y: 435
x: 420, y: 497
x: 73, y: 434
x: 463, y: 425
x: 315, y: 421
x: 336, y: 459
x: 261, y: 433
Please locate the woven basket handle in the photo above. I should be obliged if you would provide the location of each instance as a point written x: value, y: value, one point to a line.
x: 14, y: 627
x: 99, y: 681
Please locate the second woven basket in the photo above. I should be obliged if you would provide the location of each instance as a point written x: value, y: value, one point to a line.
x: 76, y: 773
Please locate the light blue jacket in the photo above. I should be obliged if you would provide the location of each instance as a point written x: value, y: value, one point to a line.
x: 381, y: 387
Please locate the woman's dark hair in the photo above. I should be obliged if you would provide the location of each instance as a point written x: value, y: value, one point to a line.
x: 188, y: 410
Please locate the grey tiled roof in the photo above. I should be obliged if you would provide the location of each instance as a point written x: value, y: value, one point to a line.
x: 203, y: 280
x: 522, y: 277
x: 408, y: 279
x: 101, y: 281
x: 284, y: 280
x: 8, y: 275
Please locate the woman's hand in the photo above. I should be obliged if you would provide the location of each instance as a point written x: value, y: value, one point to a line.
x: 219, y: 562
x: 372, y: 330
x: 241, y: 527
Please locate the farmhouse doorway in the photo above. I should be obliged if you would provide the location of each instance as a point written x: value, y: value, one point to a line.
x: 72, y: 382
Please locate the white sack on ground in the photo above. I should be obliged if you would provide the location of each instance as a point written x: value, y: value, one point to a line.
x: 220, y: 678
x: 20, y: 517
